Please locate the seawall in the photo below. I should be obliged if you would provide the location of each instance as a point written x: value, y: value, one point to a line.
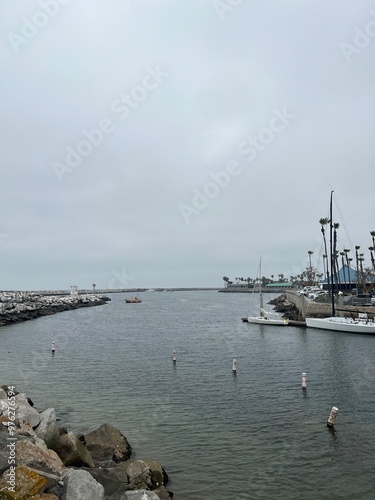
x: 308, y: 307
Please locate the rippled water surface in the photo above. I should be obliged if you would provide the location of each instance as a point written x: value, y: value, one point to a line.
x: 253, y: 436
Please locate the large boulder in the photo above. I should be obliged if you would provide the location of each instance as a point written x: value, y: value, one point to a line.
x: 115, y: 481
x: 158, y: 475
x: 107, y: 443
x: 80, y: 485
x: 25, y: 412
x: 20, y: 483
x: 72, y: 452
x: 139, y: 475
x: 3, y: 394
x: 47, y: 428
x: 34, y: 453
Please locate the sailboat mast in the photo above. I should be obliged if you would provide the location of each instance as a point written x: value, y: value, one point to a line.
x: 331, y: 256
x: 260, y: 288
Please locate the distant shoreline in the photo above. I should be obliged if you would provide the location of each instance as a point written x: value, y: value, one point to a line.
x: 100, y: 291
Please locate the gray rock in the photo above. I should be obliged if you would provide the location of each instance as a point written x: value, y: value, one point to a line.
x: 114, y: 480
x: 25, y: 412
x: 163, y: 493
x: 158, y: 475
x: 107, y: 443
x: 47, y: 428
x: 73, y: 452
x: 33, y: 453
x: 4, y: 406
x: 52, y: 479
x: 4, y: 454
x: 80, y: 485
x: 140, y: 495
x: 3, y: 394
x: 139, y: 475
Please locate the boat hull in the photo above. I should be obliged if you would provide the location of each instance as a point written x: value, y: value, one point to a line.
x: 338, y: 324
x: 259, y: 320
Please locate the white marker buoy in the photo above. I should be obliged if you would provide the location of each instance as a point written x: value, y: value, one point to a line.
x: 234, y: 366
x: 174, y: 357
x: 332, y: 417
x: 304, y: 381
x: 53, y: 347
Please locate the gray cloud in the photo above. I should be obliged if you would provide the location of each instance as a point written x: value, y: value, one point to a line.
x: 119, y: 207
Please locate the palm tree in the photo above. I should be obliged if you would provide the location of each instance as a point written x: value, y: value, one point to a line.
x: 373, y: 247
x: 336, y: 225
x: 325, y: 264
x: 372, y: 257
x: 336, y: 260
x: 373, y: 238
x: 225, y: 279
x: 346, y: 251
x: 361, y: 259
x: 93, y: 287
x: 310, y: 273
x: 323, y: 222
x: 310, y: 252
x: 343, y: 265
x: 357, y: 247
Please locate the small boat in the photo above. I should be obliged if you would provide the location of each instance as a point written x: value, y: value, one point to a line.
x: 133, y: 300
x: 265, y: 317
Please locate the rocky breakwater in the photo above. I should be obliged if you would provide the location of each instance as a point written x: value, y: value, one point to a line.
x: 286, y: 308
x: 22, y: 306
x: 41, y: 461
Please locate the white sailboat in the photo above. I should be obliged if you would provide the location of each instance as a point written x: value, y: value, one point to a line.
x: 265, y: 317
x: 362, y: 324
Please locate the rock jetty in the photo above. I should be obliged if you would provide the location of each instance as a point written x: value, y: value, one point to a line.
x: 23, y: 306
x: 41, y: 461
x: 286, y: 308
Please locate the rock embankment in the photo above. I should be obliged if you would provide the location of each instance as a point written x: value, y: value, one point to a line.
x: 286, y: 308
x: 41, y: 461
x: 22, y: 306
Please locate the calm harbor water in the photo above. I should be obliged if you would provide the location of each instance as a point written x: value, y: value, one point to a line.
x: 256, y: 435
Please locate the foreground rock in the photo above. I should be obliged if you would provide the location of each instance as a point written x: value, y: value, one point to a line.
x: 107, y: 444
x: 80, y: 484
x: 39, y: 461
x: 22, y: 306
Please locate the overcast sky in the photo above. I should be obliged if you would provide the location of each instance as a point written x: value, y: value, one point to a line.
x: 161, y: 143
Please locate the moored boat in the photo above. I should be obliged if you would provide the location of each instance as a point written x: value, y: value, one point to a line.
x: 362, y: 324
x: 265, y: 317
